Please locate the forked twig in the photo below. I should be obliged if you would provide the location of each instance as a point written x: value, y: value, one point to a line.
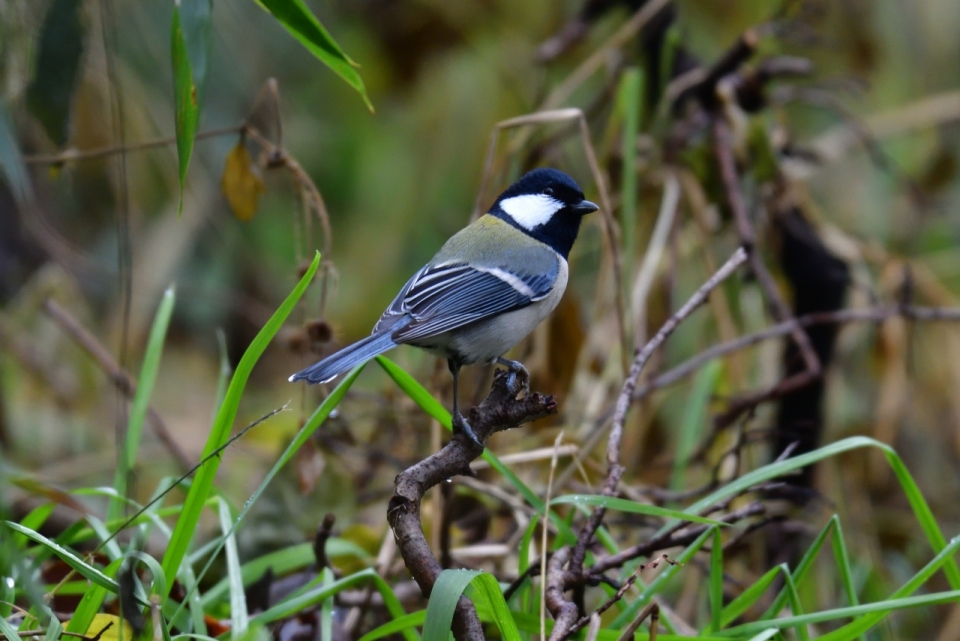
x: 559, y: 607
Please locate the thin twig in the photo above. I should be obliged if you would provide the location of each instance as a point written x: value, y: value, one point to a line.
x: 121, y: 379
x: 70, y: 155
x: 185, y: 475
x: 723, y: 149
x: 869, y: 315
x: 560, y: 608
x: 614, y: 469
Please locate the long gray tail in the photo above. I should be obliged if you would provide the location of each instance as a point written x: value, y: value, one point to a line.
x: 347, y: 358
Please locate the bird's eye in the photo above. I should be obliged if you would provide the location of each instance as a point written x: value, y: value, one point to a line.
x: 548, y: 191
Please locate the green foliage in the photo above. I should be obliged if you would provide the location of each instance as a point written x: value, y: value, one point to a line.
x: 189, y: 40
x: 304, y: 26
x: 203, y: 481
x: 141, y: 400
x: 58, y: 58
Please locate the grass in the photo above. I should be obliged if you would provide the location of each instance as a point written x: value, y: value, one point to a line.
x: 727, y: 619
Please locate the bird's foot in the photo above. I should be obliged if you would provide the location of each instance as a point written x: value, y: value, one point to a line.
x: 460, y: 426
x: 518, y: 377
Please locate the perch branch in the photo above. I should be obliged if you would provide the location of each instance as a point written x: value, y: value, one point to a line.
x: 501, y: 410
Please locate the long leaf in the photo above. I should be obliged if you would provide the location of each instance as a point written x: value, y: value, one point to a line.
x: 400, y: 624
x: 919, y: 505
x: 189, y: 36
x: 490, y: 597
x: 877, y: 611
x: 238, y: 602
x: 281, y: 562
x: 203, y: 481
x: 11, y: 161
x: 443, y: 601
x: 82, y: 567
x: 141, y: 399
x: 319, y: 593
x: 315, y: 421
x: 634, y: 507
x: 297, y: 19
x: 630, y: 103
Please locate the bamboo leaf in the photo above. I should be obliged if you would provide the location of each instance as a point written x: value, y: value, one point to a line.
x: 189, y: 39
x: 11, y: 161
x: 58, y: 57
x: 297, y: 19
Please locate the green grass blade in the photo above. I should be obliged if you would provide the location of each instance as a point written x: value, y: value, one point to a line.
x: 490, y: 596
x: 34, y: 521
x: 858, y: 627
x: 318, y: 594
x: 82, y: 567
x: 694, y: 420
x: 54, y: 630
x: 297, y: 19
x: 842, y: 558
x: 141, y: 399
x: 282, y: 561
x: 239, y: 621
x: 314, y: 422
x: 747, y: 598
x: 7, y: 630
x: 223, y: 378
x: 417, y: 392
x: 919, y: 505
x: 326, y: 608
x: 634, y: 507
x: 443, y: 601
x: 873, y: 611
x: 716, y: 580
x: 630, y: 104
x: 803, y: 567
x: 406, y: 622
x: 203, y: 481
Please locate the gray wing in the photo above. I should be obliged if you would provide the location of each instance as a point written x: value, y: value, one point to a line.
x: 444, y: 297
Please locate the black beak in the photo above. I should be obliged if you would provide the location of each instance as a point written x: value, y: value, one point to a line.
x: 585, y: 207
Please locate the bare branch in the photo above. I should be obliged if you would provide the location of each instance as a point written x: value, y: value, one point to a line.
x: 501, y: 410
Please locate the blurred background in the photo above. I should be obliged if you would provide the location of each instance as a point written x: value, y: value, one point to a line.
x: 865, y: 144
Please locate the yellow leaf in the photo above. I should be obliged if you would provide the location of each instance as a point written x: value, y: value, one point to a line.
x: 241, y: 186
x: 101, y: 621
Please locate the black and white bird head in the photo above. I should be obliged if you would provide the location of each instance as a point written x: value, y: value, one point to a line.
x: 547, y: 205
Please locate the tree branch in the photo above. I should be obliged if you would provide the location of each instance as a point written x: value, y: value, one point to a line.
x: 501, y: 410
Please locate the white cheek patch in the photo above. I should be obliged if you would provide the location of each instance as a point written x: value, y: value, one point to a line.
x: 531, y: 210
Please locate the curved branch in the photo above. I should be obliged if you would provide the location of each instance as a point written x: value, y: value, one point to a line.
x: 501, y: 410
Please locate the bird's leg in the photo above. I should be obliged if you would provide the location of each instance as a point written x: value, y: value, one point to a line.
x: 517, y: 373
x: 460, y: 424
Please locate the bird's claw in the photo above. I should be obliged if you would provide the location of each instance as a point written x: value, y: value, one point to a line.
x: 460, y: 426
x: 516, y: 373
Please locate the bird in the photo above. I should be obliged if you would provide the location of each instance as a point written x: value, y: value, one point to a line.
x: 485, y: 290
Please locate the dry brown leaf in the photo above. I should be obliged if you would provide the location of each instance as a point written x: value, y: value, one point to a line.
x: 240, y: 184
